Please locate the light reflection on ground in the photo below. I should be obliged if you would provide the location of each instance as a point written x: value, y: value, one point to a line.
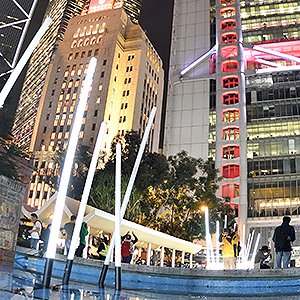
x: 20, y: 285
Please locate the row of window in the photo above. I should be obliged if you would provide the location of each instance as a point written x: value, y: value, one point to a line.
x: 83, y: 54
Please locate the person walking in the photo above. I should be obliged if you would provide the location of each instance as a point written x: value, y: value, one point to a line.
x: 35, y: 231
x: 284, y: 236
x: 127, y: 247
x: 103, y: 248
x: 68, y: 231
x: 83, y: 233
x: 230, y: 251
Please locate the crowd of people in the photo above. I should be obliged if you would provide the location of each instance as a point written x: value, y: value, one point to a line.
x: 284, y: 236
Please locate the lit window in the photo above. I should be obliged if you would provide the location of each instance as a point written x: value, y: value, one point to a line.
x: 229, y: 66
x: 231, y: 190
x: 231, y: 115
x: 227, y: 12
x: 70, y: 56
x: 230, y: 170
x: 230, y: 133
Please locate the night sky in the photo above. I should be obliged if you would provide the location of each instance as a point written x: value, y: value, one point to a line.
x: 156, y: 21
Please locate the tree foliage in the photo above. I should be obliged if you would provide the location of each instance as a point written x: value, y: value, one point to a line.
x: 79, y: 171
x: 167, y: 194
x: 9, y: 153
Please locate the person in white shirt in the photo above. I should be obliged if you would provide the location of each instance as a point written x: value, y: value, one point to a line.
x: 35, y: 231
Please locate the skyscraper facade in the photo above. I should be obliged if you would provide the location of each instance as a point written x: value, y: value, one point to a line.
x: 14, y: 21
x: 272, y: 100
x: 60, y: 12
x: 128, y: 82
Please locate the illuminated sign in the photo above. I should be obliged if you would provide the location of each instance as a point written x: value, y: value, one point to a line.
x: 100, y: 5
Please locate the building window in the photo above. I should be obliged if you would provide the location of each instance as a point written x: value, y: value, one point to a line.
x: 96, y: 113
x: 228, y: 24
x: 96, y: 52
x: 230, y: 81
x: 230, y: 98
x: 76, y: 55
x: 230, y: 170
x: 231, y: 151
x: 229, y: 66
x: 47, y: 116
x: 120, y: 119
x: 231, y: 190
x: 230, y: 133
x: 104, y: 62
x: 82, y: 54
x: 230, y: 115
x: 45, y: 129
x: 50, y: 104
x: 229, y: 37
x: 89, y: 53
x: 102, y: 74
x: 91, y: 141
x: 70, y: 56
x: 93, y: 126
x: 124, y: 119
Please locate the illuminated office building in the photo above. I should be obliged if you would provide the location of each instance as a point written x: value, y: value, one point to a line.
x: 128, y: 82
x: 206, y: 117
x: 61, y: 11
x: 133, y: 9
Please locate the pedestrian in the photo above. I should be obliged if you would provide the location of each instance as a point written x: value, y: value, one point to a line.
x: 68, y: 231
x: 83, y: 233
x: 127, y: 247
x: 230, y: 251
x: 261, y: 256
x: 103, y: 248
x: 284, y: 236
x: 35, y: 231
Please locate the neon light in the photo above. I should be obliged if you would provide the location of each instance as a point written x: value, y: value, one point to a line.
x: 229, y: 37
x: 228, y: 12
x: 229, y: 66
x: 228, y: 24
x: 265, y: 62
x: 278, y: 69
x: 67, y: 168
x: 276, y: 53
x: 229, y: 51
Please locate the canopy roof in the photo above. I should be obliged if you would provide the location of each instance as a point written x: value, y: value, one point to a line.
x: 101, y: 220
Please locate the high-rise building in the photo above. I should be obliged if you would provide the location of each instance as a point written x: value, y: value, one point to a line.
x: 61, y: 12
x: 128, y: 82
x: 205, y: 115
x: 133, y: 9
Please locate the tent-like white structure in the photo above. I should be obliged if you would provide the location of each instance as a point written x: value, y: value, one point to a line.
x: 101, y: 220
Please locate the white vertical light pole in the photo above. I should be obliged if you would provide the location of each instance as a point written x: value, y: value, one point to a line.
x: 207, y: 237
x: 22, y: 62
x: 225, y: 222
x: 254, y: 251
x: 191, y: 260
x: 173, y: 258
x: 149, y: 254
x: 162, y: 256
x: 182, y: 258
x: 127, y: 194
x: 117, y: 219
x: 217, y: 244
x: 83, y: 203
x: 66, y: 172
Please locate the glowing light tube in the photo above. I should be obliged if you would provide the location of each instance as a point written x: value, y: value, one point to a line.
x: 207, y: 238
x: 197, y: 61
x: 255, y: 251
x: 127, y: 193
x: 86, y: 191
x: 278, y: 69
x: 117, y: 219
x: 217, y: 244
x: 22, y: 62
x: 67, y: 168
x: 278, y: 54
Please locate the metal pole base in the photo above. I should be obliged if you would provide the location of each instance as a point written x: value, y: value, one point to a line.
x: 47, y: 272
x: 118, y: 273
x: 67, y: 272
x: 102, y: 276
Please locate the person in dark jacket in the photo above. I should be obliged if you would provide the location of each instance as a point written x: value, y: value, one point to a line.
x: 283, y: 236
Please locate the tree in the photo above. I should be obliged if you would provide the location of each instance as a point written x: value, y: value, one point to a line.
x: 9, y: 153
x: 174, y: 206
x: 80, y: 167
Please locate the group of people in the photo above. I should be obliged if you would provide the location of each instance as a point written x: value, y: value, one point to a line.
x: 284, y: 236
